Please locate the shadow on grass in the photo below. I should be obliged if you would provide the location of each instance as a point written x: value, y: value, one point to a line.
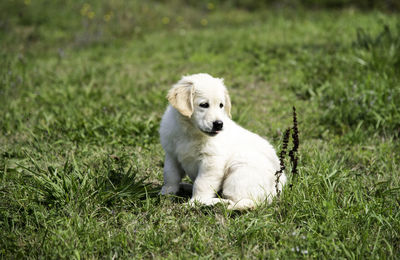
x: 124, y: 187
x: 185, y: 193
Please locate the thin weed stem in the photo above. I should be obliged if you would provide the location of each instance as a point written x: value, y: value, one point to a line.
x: 293, y: 153
x: 282, y: 155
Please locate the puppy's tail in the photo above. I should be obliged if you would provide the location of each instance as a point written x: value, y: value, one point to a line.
x: 243, y: 204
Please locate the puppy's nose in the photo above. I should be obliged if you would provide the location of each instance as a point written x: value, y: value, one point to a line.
x: 217, y: 125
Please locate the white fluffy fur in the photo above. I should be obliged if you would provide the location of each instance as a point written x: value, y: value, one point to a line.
x: 234, y: 160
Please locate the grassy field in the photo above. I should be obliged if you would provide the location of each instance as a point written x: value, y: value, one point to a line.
x: 82, y: 92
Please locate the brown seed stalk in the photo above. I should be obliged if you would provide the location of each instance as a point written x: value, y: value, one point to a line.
x: 293, y: 153
x: 282, y: 156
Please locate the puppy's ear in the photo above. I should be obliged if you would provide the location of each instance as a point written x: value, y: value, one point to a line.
x: 181, y: 96
x: 227, y: 99
x: 227, y: 104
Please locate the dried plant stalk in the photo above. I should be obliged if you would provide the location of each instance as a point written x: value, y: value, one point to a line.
x: 293, y: 152
x: 281, y: 159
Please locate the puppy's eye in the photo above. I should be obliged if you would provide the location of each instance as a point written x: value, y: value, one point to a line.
x: 221, y: 105
x: 204, y: 105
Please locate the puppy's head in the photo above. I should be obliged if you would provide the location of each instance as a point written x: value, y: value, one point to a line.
x: 204, y: 100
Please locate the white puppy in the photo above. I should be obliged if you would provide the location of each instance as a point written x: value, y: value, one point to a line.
x: 201, y: 140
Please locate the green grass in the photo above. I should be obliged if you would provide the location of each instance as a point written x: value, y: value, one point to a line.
x: 80, y: 159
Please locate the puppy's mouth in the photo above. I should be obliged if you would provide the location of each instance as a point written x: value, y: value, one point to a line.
x: 211, y: 133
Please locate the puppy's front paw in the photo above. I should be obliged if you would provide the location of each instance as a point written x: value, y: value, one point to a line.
x: 165, y: 190
x: 208, y: 201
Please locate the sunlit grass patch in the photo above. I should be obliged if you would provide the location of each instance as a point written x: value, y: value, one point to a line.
x: 80, y: 159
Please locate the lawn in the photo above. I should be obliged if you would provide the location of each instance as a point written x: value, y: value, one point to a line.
x: 82, y: 92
